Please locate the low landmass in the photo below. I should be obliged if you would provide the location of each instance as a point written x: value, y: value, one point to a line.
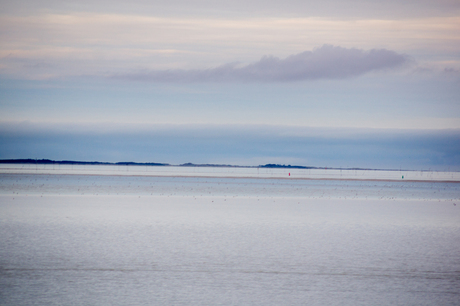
x: 288, y: 166
x: 213, y: 165
x: 73, y: 162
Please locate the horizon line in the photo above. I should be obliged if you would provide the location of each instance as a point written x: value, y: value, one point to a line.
x: 188, y: 164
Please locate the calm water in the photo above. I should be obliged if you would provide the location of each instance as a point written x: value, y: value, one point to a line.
x: 111, y: 240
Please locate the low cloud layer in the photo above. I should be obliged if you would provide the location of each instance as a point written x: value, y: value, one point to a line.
x: 236, y: 144
x: 326, y: 62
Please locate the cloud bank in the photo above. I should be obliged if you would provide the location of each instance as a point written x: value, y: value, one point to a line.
x: 236, y: 144
x: 326, y: 62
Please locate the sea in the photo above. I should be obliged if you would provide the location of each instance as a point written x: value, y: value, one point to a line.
x: 144, y: 235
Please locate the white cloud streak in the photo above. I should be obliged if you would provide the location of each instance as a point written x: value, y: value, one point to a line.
x: 201, y: 8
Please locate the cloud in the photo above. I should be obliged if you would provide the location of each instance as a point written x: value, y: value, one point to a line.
x: 351, y: 8
x: 326, y: 62
x: 235, y: 144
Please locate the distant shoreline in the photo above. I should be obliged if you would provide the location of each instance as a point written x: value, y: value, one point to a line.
x: 73, y: 162
x: 30, y: 161
x: 271, y: 171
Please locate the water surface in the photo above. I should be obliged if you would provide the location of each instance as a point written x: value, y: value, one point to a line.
x: 121, y: 240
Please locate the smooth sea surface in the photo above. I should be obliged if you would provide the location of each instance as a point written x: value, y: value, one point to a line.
x: 89, y: 239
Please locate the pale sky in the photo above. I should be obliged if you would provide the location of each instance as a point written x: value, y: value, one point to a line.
x: 104, y: 65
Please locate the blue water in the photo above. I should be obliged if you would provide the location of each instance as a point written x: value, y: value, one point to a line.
x: 34, y: 184
x: 103, y: 240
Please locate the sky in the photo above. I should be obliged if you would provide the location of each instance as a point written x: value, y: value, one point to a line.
x: 316, y: 83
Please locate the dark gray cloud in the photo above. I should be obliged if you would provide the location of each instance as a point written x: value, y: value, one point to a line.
x: 326, y: 62
x: 236, y: 144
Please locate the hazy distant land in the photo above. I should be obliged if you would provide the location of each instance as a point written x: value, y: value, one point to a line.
x: 268, y: 171
x: 73, y: 162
